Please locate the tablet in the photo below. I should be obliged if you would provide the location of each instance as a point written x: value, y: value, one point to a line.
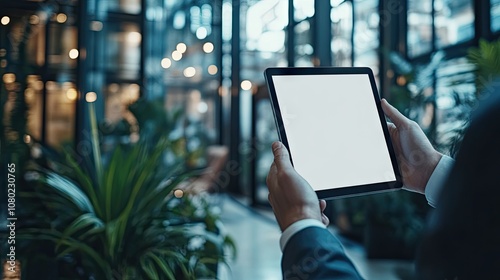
x: 332, y: 123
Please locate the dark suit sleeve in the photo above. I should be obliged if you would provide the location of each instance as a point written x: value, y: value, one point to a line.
x: 314, y: 253
x: 462, y: 237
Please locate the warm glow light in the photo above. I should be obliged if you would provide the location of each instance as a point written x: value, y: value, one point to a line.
x: 178, y: 193
x: 166, y: 63
x: 5, y: 20
x: 246, y: 85
x: 51, y: 85
x: 9, y: 78
x: 208, y: 47
x: 212, y: 69
x: 38, y: 85
x: 91, y: 97
x: 189, y: 72
x: 176, y: 55
x: 401, y: 80
x: 134, y: 38
x: 71, y: 94
x: 61, y: 18
x: 29, y: 93
x: 95, y: 25
x: 181, y: 47
x: 27, y: 139
x: 34, y: 19
x: 73, y: 53
x: 201, y: 33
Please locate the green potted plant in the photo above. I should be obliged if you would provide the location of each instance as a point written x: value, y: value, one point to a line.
x: 120, y: 220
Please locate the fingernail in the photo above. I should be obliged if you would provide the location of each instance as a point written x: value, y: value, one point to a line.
x: 276, y: 145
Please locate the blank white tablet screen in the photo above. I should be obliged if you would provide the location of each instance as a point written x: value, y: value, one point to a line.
x: 333, y: 129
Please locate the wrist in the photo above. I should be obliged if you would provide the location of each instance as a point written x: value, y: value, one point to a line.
x: 298, y: 215
x: 433, y: 161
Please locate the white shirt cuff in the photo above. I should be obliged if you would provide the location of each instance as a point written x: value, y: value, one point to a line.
x: 296, y: 227
x: 437, y: 180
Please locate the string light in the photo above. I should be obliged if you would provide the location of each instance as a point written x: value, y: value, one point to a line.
x: 5, y: 20
x: 246, y: 85
x: 61, y: 18
x: 189, y: 72
x: 208, y: 47
x: 212, y: 70
x: 176, y: 55
x: 73, y: 54
x: 91, y: 97
x: 71, y: 94
x: 166, y: 63
x: 181, y: 47
x: 178, y: 193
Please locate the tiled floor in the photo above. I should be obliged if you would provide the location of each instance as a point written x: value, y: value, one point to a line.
x: 257, y: 238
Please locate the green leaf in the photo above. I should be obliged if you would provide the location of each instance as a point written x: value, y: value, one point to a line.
x: 70, y: 191
x: 163, y: 265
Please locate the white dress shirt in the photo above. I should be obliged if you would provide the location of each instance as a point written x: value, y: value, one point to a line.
x: 432, y: 191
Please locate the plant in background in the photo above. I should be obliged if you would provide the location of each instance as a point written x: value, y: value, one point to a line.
x: 411, y: 93
x: 486, y: 59
x: 120, y: 220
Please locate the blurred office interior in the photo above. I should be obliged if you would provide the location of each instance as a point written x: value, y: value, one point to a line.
x: 85, y: 78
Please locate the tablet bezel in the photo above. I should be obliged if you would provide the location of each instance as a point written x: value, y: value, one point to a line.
x: 343, y: 191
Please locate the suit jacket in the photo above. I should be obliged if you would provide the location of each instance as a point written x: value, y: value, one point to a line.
x: 462, y: 236
x: 314, y: 253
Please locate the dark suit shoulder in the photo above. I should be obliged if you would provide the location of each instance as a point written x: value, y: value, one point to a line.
x: 314, y: 253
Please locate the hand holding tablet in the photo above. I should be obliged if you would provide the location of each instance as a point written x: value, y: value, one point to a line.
x: 341, y: 107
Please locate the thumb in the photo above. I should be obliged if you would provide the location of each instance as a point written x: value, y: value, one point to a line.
x: 281, y: 156
x: 394, y: 115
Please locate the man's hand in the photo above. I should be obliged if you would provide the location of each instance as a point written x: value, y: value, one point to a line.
x: 416, y: 157
x: 291, y: 197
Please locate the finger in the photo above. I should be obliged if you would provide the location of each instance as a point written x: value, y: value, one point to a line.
x: 394, y: 115
x: 322, y: 205
x: 271, y: 175
x: 391, y: 127
x: 325, y: 220
x: 281, y: 156
x: 393, y: 130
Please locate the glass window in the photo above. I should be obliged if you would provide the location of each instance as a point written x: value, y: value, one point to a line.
x: 34, y: 100
x: 303, y: 45
x: 123, y: 50
x: 419, y: 27
x: 455, y: 90
x: 304, y: 10
x: 63, y: 50
x: 125, y: 6
x: 366, y: 34
x: 263, y: 43
x: 454, y: 22
x: 60, y: 112
x: 495, y: 15
x: 341, y: 45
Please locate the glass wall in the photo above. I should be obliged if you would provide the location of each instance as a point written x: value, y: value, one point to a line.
x: 447, y: 82
x: 263, y: 44
x: 419, y: 38
x: 366, y: 34
x: 303, y: 17
x: 495, y: 15
x: 342, y: 21
x: 38, y: 58
x: 453, y: 22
